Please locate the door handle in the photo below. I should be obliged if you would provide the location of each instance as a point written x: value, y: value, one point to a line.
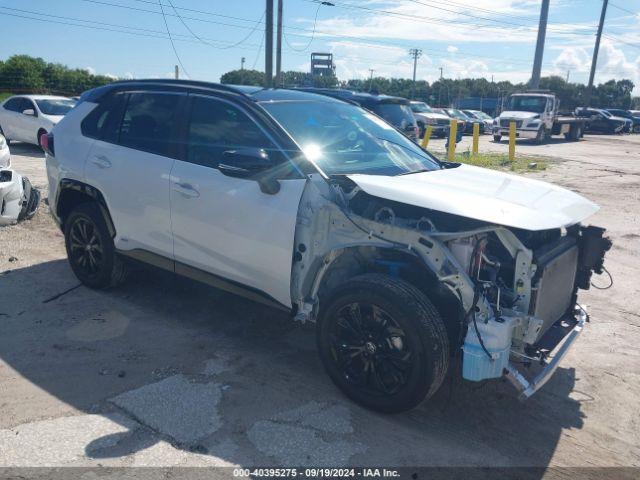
x: 101, y: 161
x: 186, y: 190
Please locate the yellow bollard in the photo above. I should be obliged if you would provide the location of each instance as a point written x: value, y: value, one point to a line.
x: 512, y: 141
x: 476, y: 139
x: 427, y: 136
x: 453, y: 133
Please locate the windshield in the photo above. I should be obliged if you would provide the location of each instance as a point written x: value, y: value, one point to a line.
x: 482, y: 116
x: 344, y: 139
x: 527, y: 104
x: 59, y: 106
x: 456, y: 114
x: 421, y: 108
x: 396, y: 114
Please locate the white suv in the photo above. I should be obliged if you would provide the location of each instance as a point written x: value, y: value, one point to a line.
x: 321, y: 208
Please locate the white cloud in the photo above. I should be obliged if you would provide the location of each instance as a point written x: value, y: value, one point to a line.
x: 91, y: 70
x: 452, y: 49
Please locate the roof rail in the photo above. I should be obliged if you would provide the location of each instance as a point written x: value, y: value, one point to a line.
x: 95, y: 93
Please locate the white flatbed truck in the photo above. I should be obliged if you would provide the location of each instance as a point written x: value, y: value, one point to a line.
x: 537, y: 118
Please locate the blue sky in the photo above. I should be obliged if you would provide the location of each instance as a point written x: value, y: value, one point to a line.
x: 467, y: 38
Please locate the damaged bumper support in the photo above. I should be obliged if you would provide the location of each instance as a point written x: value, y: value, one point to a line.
x: 19, y: 200
x: 528, y: 387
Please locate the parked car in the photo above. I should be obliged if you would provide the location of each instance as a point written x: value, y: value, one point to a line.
x: 635, y: 120
x: 462, y: 124
x: 316, y: 206
x: 395, y: 110
x: 425, y: 115
x: 5, y: 156
x: 25, y: 118
x: 601, y: 121
x: 487, y: 120
x: 18, y: 199
x: 468, y: 121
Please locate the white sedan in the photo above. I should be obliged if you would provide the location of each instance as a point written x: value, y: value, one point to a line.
x: 25, y: 118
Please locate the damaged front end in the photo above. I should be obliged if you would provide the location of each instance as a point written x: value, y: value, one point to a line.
x: 19, y: 200
x: 508, y: 294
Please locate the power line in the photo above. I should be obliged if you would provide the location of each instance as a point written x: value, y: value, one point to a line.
x: 635, y: 14
x: 207, y: 43
x: 443, y: 21
x: 171, y: 40
x: 314, y: 31
x: 313, y: 34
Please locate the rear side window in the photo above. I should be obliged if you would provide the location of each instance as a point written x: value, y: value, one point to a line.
x: 216, y: 126
x: 150, y: 122
x: 13, y: 105
x: 104, y: 121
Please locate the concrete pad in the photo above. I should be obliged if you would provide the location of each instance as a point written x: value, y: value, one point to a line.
x: 321, y: 416
x: 61, y: 441
x: 292, y: 445
x: 176, y: 406
x: 298, y: 436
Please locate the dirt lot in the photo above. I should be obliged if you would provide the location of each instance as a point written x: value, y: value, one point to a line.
x: 168, y: 372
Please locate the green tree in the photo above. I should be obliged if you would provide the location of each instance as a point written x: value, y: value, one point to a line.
x: 243, y: 77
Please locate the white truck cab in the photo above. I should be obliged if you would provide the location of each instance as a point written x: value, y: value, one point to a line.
x: 536, y: 117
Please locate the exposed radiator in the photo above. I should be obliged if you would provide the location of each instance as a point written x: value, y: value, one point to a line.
x: 556, y: 281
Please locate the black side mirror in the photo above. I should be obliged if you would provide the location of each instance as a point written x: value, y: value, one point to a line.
x: 252, y: 164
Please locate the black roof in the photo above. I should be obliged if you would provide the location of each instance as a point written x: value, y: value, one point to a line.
x: 255, y: 93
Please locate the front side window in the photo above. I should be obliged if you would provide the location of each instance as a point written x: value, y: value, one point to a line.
x: 343, y: 139
x: 215, y: 127
x: 150, y: 122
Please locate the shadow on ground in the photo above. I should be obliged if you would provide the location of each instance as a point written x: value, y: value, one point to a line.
x: 173, y: 362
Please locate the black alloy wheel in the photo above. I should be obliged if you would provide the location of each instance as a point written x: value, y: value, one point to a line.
x: 85, y: 247
x: 370, y: 349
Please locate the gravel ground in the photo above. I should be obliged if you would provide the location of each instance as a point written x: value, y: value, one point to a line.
x: 167, y: 372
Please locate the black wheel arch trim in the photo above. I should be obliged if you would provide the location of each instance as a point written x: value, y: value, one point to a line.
x: 67, y: 184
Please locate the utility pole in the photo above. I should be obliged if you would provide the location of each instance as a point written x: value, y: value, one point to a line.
x: 268, y: 49
x: 594, y: 61
x: 279, y: 46
x: 441, y: 73
x: 242, y: 60
x: 415, y: 53
x: 371, y: 70
x: 177, y: 72
x: 542, y: 32
x: 568, y: 73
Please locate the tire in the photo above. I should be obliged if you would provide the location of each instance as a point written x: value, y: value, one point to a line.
x: 382, y: 342
x: 497, y: 138
x: 99, y: 266
x: 636, y: 129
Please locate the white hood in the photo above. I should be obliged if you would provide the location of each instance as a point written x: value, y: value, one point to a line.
x: 431, y: 115
x: 518, y: 115
x: 483, y: 194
